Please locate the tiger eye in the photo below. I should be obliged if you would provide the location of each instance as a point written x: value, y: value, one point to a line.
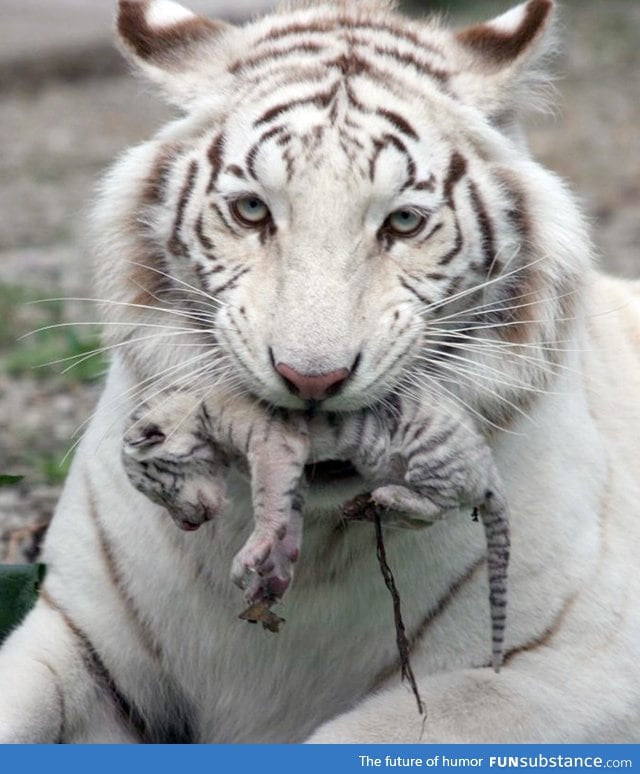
x: 405, y: 222
x: 250, y: 211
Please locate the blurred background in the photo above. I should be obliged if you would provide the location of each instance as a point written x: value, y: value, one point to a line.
x: 68, y: 107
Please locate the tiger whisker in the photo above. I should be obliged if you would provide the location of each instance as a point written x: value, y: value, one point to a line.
x: 496, y: 306
x: 477, y: 369
x: 135, y: 389
x: 96, y: 324
x: 225, y: 378
x: 494, y: 351
x: 169, y: 388
x: 82, y: 356
x: 425, y: 374
x: 481, y: 286
x: 163, y: 310
x: 196, y: 290
x: 503, y: 345
x: 472, y: 374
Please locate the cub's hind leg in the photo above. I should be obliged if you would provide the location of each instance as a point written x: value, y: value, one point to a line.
x: 47, y: 695
x: 434, y: 463
x: 276, y: 448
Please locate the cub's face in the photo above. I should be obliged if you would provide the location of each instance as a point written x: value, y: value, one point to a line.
x: 338, y: 202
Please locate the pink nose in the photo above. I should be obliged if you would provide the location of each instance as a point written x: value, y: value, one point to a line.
x: 312, y: 386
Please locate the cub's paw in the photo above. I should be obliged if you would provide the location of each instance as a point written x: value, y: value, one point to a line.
x: 169, y: 457
x: 264, y: 565
x: 396, y: 506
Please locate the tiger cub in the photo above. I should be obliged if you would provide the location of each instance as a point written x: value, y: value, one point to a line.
x: 422, y: 462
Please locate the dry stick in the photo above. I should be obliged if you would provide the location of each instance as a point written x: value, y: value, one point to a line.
x: 401, y: 638
x: 360, y: 507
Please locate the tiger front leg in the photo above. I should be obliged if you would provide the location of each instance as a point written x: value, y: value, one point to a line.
x: 169, y: 456
x: 277, y: 453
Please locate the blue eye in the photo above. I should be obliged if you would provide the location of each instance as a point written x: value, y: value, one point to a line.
x: 250, y: 211
x: 405, y: 222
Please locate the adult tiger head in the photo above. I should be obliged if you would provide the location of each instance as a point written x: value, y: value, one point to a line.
x: 345, y: 208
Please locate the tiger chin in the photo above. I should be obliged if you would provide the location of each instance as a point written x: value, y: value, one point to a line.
x: 344, y: 210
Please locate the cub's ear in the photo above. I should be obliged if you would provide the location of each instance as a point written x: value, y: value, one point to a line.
x: 171, y: 45
x: 502, y: 58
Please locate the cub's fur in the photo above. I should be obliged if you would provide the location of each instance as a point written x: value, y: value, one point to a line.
x: 346, y: 211
x: 421, y: 462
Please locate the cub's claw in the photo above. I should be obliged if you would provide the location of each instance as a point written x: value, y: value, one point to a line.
x: 264, y: 565
x: 260, y: 613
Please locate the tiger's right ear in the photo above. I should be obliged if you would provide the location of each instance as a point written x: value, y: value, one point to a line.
x: 172, y: 46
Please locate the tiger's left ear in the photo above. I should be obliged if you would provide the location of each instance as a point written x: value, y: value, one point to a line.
x: 171, y: 45
x: 501, y: 59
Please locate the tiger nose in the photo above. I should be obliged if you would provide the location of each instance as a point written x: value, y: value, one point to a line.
x: 312, y: 386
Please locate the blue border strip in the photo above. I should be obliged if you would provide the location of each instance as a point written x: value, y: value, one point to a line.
x: 308, y: 759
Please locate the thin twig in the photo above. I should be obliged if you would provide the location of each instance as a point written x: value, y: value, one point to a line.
x: 401, y: 638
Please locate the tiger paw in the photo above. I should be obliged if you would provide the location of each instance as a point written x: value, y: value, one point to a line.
x: 264, y: 565
x: 169, y: 457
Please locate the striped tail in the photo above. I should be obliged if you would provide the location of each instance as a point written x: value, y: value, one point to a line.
x: 494, y: 513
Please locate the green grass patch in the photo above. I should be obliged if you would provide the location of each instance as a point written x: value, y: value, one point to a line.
x: 50, y: 338
x: 53, y: 468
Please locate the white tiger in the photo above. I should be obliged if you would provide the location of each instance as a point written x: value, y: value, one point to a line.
x: 346, y: 210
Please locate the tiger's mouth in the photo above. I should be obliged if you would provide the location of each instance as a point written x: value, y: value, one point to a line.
x: 330, y: 471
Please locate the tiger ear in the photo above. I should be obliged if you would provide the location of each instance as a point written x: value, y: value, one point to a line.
x: 170, y: 44
x: 502, y: 58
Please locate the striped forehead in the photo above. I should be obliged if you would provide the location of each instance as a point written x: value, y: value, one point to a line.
x: 354, y: 124
x: 323, y: 85
x: 356, y: 41
x: 381, y: 153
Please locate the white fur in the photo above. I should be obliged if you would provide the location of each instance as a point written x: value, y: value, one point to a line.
x: 167, y: 627
x: 510, y: 20
x: 165, y: 13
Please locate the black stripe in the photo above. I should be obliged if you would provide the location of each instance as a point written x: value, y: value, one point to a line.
x: 457, y: 247
x: 155, y: 191
x: 434, y: 230
x: 214, y: 155
x: 400, y: 123
x: 419, y: 64
x: 415, y: 292
x: 175, y: 244
x: 488, y: 242
x: 321, y: 100
x: 380, y: 145
x: 426, y: 185
x: 230, y: 283
x: 146, y: 637
x: 223, y: 218
x: 253, y: 151
x: 351, y: 24
x: 202, y: 237
x: 234, y: 169
x: 272, y: 55
x: 96, y: 668
x: 457, y: 169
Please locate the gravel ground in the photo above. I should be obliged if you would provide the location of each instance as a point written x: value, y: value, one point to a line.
x: 62, y: 125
